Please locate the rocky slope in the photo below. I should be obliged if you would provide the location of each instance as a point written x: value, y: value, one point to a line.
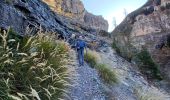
x: 21, y: 14
x: 24, y: 14
x: 131, y: 86
x: 75, y: 10
x: 146, y: 29
x: 33, y: 14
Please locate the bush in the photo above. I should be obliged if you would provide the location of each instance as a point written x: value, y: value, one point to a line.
x: 32, y: 68
x: 114, y: 46
x: 146, y: 64
x: 108, y: 75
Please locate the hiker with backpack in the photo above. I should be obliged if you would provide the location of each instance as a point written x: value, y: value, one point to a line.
x: 80, y: 46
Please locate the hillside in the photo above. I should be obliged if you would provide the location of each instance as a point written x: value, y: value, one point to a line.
x: 39, y: 62
x: 143, y: 38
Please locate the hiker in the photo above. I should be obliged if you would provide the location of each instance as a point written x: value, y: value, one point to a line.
x: 80, y: 46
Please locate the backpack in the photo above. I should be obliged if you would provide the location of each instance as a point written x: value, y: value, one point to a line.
x: 80, y: 44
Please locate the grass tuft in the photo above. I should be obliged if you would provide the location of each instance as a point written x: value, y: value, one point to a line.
x: 33, y: 67
x: 150, y: 94
x: 91, y: 57
x: 108, y: 75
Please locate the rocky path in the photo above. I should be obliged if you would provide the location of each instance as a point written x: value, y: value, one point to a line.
x: 88, y: 85
x: 131, y: 83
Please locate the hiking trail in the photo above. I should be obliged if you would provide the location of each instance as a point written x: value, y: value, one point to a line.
x: 89, y: 86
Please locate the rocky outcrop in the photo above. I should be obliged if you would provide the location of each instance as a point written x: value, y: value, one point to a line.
x: 70, y: 8
x: 74, y: 9
x: 146, y: 28
x: 97, y: 22
x: 20, y: 15
x: 26, y: 18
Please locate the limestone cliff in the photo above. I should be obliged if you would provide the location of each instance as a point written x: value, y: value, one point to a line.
x: 32, y: 14
x: 97, y: 22
x: 146, y: 28
x: 74, y: 9
x: 70, y: 8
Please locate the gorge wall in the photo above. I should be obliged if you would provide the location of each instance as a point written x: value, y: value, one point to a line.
x: 147, y: 28
x: 60, y: 16
x: 96, y: 22
x: 74, y: 9
x: 70, y: 8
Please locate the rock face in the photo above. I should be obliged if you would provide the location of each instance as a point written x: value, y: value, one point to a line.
x: 147, y: 28
x: 70, y: 8
x: 97, y: 22
x: 32, y: 14
x: 74, y: 9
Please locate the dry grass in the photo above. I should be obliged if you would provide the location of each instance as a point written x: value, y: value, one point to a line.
x: 33, y: 67
x: 92, y: 57
x: 107, y: 74
x: 151, y: 93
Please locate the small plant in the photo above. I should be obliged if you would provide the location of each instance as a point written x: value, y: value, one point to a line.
x: 108, y: 75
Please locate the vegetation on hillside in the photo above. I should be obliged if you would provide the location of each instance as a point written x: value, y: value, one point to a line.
x: 107, y: 74
x: 143, y: 59
x: 147, y: 65
x: 32, y: 67
x: 114, y: 46
x: 151, y: 93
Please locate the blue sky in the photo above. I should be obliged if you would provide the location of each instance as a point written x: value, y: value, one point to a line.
x: 112, y: 8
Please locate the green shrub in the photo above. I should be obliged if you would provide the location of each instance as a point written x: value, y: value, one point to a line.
x: 146, y: 64
x: 34, y: 68
x: 108, y: 75
x: 114, y: 46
